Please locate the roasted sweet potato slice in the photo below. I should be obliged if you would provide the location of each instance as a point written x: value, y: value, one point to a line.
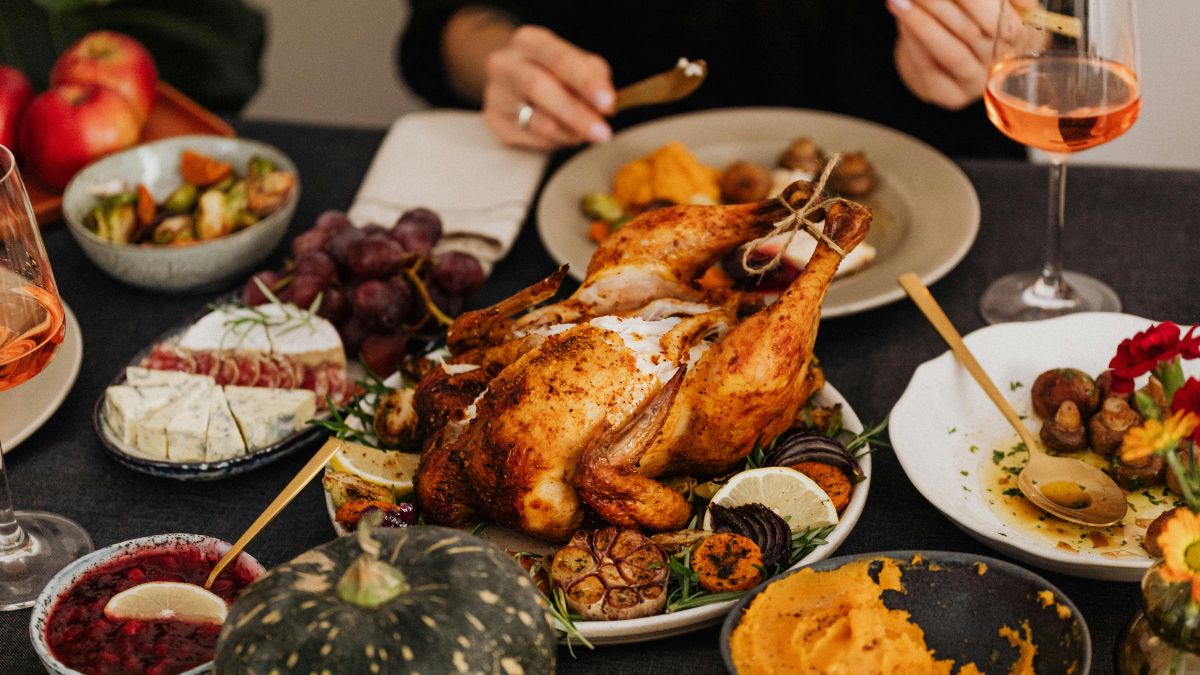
x: 728, y: 562
x: 831, y: 479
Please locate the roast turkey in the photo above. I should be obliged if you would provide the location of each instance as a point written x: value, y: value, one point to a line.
x: 579, y: 406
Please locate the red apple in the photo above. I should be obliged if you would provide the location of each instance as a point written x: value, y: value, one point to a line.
x: 69, y: 126
x: 15, y: 93
x: 111, y: 60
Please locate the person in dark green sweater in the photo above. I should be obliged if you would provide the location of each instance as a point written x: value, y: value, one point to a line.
x: 916, y: 65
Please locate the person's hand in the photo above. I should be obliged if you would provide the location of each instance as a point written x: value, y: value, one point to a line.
x: 944, y: 47
x: 569, y: 91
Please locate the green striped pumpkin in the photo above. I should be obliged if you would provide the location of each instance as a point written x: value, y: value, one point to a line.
x: 407, y: 600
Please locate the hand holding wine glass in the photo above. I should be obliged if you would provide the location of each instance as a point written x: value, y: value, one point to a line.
x: 1067, y: 83
x: 33, y: 545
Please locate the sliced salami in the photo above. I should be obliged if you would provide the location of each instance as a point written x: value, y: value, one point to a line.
x: 287, y: 373
x: 249, y: 368
x: 268, y: 375
x: 228, y: 374
x: 206, y: 363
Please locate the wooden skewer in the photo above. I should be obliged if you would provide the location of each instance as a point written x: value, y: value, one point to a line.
x: 293, y: 488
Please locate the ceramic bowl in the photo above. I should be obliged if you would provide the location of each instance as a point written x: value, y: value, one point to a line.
x: 72, y: 573
x: 199, y: 267
x: 961, y: 610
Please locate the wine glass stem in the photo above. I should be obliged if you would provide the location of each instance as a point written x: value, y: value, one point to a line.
x: 1051, y: 284
x: 12, y: 537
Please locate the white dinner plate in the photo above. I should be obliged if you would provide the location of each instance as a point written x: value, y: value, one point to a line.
x: 27, y: 406
x: 663, y: 626
x: 943, y: 413
x: 926, y: 212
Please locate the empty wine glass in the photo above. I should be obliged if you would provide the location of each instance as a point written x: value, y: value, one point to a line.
x: 34, y: 545
x: 1063, y: 79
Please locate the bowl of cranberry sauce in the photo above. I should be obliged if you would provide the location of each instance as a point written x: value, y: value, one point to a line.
x: 72, y: 634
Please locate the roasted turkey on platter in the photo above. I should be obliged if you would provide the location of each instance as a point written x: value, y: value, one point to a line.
x: 542, y: 414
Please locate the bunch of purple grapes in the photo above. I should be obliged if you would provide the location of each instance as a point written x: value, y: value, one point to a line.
x: 377, y: 284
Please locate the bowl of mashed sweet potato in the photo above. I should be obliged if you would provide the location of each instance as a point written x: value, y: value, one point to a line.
x: 912, y: 612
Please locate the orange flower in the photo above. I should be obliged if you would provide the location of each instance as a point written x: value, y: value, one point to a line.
x: 1158, y: 437
x: 1180, y: 543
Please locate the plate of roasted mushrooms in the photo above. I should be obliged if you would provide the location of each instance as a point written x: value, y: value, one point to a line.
x: 925, y: 211
x: 961, y: 454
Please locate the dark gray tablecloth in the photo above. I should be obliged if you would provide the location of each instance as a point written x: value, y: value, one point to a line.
x: 1132, y: 228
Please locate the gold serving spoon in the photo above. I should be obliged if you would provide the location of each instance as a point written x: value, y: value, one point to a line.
x: 289, y: 492
x: 1067, y: 488
x: 672, y: 85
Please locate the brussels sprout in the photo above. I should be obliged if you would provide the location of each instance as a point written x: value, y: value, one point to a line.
x: 259, y: 167
x: 175, y: 230
x: 115, y: 217
x: 210, y: 218
x: 602, y: 206
x: 182, y: 200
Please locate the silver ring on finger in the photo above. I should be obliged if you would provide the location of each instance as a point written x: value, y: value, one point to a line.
x: 524, y: 116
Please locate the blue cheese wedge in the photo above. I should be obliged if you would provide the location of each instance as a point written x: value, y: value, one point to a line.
x: 267, y: 416
x: 187, y: 430
x: 152, y: 434
x: 125, y: 406
x: 224, y: 438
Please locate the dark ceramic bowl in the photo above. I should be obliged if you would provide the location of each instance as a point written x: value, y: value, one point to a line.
x: 961, y: 611
x: 305, y: 439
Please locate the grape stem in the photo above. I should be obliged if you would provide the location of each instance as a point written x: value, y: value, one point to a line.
x: 430, y: 305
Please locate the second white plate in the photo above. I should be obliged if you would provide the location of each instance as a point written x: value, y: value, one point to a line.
x: 944, y: 429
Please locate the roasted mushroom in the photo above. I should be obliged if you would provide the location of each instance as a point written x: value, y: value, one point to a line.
x: 1065, y: 431
x: 1107, y: 428
x: 1104, y: 385
x: 1150, y: 542
x: 854, y: 175
x: 803, y: 155
x: 395, y: 418
x: 1139, y: 474
x: 1053, y: 387
x: 744, y: 182
x: 610, y: 574
x: 1154, y: 391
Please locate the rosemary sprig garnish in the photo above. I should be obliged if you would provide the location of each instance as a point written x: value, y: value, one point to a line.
x: 871, y: 437
x: 355, y: 421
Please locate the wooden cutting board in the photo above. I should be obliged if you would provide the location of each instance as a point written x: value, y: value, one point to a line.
x: 174, y: 114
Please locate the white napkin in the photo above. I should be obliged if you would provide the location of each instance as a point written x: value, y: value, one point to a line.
x: 448, y: 161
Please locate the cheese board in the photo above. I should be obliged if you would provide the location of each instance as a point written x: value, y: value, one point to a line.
x: 230, y: 390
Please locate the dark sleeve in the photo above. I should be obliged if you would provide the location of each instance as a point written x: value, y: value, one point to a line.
x: 420, y: 52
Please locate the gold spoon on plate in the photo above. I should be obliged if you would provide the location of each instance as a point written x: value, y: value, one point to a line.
x: 1067, y: 488
x: 156, y: 599
x: 672, y: 85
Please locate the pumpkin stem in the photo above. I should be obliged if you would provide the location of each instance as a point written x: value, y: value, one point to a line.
x: 370, y: 582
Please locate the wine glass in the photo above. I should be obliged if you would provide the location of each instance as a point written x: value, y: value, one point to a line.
x: 34, y: 545
x: 1063, y: 79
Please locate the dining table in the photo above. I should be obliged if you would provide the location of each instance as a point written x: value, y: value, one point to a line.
x: 1131, y: 227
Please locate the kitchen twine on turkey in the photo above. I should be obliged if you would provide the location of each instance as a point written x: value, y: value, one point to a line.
x: 795, y: 222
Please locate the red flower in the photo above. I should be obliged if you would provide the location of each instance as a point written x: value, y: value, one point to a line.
x: 1189, y: 347
x: 1187, y: 399
x: 1141, y: 353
